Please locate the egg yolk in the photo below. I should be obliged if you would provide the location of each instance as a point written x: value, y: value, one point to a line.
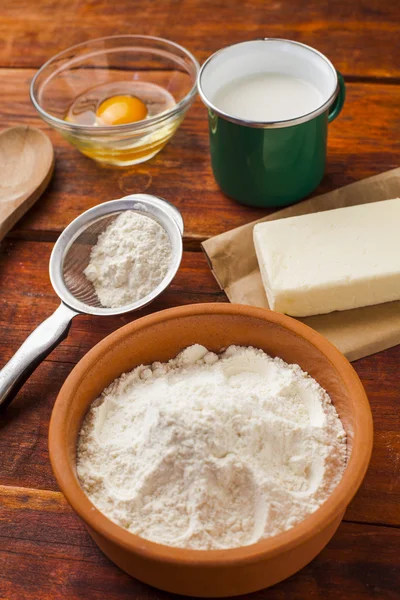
x: 119, y: 110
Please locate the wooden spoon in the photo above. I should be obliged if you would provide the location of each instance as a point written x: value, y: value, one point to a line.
x: 26, y: 167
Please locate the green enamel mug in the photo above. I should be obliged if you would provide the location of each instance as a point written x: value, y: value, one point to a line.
x: 276, y: 161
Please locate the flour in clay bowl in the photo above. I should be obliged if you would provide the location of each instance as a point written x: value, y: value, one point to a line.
x: 131, y: 258
x: 211, y: 451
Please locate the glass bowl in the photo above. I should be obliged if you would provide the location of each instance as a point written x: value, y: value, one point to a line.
x: 116, y: 60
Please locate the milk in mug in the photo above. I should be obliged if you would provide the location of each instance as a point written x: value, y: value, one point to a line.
x: 267, y: 97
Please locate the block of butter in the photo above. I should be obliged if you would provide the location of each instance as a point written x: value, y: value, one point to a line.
x: 333, y: 260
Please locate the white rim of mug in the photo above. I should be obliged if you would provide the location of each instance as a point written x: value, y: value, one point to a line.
x: 269, y: 124
x: 181, y: 105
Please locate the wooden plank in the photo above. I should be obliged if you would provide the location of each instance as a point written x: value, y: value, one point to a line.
x: 27, y: 298
x: 23, y: 498
x: 46, y: 552
x: 363, y: 141
x: 379, y: 374
x: 361, y: 37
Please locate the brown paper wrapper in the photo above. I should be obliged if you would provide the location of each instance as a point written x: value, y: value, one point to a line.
x: 357, y: 332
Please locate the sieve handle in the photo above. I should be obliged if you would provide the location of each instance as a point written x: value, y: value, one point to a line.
x: 35, y: 349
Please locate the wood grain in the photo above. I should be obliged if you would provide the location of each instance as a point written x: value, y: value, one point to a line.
x: 61, y: 561
x: 359, y: 146
x: 22, y: 498
x: 361, y: 38
x: 45, y: 551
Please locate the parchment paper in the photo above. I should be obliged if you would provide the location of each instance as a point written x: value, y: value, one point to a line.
x: 357, y: 332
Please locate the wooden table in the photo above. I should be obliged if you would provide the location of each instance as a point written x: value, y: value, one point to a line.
x: 45, y: 551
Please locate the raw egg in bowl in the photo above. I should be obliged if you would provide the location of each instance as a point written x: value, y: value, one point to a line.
x: 118, y: 99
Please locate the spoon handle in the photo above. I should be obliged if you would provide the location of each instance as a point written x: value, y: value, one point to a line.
x: 33, y: 351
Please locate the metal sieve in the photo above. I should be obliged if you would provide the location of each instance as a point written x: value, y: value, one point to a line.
x: 69, y: 258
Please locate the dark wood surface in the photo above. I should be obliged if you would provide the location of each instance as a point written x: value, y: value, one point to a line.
x: 45, y: 552
x: 364, y: 141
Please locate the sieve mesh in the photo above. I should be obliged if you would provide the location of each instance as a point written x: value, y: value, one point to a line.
x: 77, y: 259
x: 71, y: 253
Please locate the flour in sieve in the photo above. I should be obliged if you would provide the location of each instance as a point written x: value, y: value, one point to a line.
x: 211, y: 451
x: 130, y: 259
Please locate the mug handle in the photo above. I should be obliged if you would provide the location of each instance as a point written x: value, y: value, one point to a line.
x: 338, y: 104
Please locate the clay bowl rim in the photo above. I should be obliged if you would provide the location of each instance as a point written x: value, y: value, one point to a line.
x: 336, y: 504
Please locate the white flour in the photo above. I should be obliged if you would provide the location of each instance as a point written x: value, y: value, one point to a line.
x: 211, y: 451
x: 130, y: 259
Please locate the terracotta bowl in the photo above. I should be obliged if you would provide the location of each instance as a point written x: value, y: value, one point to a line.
x: 160, y: 337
